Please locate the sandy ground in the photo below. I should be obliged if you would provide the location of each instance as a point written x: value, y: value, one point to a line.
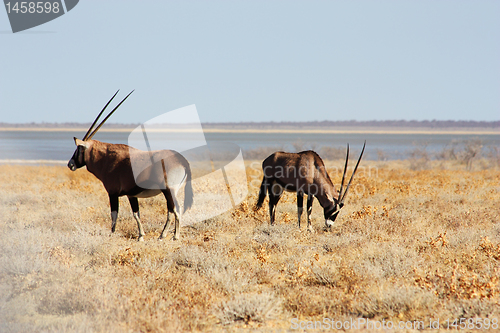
x: 415, y: 244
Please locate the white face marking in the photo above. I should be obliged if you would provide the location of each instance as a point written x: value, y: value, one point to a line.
x: 79, y: 142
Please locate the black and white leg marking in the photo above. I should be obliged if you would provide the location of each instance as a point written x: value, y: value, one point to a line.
x: 300, y: 205
x: 113, y: 203
x: 134, y: 203
x: 275, y: 192
x: 310, y: 199
x: 172, y: 208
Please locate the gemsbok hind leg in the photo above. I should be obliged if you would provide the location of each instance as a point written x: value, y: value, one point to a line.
x: 310, y: 199
x: 176, y: 224
x: 164, y: 231
x: 172, y: 207
x: 134, y: 203
x: 275, y: 192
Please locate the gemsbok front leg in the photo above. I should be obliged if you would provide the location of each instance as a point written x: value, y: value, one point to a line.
x: 311, y: 179
x: 113, y: 204
x: 300, y: 205
x: 113, y: 165
x: 134, y: 203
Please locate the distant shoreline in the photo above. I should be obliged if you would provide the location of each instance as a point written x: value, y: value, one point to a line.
x: 345, y: 130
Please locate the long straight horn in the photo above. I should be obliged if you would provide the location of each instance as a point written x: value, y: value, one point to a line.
x: 343, y: 174
x: 353, y: 173
x: 109, y: 115
x: 96, y: 119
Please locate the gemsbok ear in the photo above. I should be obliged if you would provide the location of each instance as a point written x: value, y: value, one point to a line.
x: 79, y: 142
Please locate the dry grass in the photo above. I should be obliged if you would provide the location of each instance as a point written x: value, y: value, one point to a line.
x: 409, y: 245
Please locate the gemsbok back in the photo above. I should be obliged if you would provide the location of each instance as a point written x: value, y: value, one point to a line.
x: 303, y: 173
x: 111, y: 164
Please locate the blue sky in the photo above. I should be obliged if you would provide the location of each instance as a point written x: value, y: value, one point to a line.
x: 257, y: 61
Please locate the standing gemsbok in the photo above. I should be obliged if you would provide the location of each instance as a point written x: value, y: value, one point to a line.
x: 303, y: 173
x: 165, y: 171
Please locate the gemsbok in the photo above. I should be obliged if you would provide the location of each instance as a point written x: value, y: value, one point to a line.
x: 303, y: 173
x: 111, y: 164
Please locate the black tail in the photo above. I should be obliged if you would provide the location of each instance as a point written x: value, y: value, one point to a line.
x: 188, y: 190
x: 262, y: 192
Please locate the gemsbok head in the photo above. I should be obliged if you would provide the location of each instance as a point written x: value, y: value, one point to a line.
x: 111, y: 164
x: 303, y: 173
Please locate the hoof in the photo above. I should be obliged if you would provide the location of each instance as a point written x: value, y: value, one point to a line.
x: 310, y: 229
x: 141, y: 239
x: 175, y: 238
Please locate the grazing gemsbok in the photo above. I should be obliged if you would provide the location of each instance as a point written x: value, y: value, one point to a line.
x: 304, y: 173
x: 111, y: 164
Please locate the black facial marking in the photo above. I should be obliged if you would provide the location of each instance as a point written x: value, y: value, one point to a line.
x: 332, y: 213
x: 78, y: 158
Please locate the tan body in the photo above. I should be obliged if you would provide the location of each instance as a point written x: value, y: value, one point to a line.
x: 111, y: 164
x: 303, y: 173
x: 163, y: 171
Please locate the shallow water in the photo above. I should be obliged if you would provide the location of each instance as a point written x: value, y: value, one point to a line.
x: 59, y: 145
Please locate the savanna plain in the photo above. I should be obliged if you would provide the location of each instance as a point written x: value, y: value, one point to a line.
x: 418, y: 241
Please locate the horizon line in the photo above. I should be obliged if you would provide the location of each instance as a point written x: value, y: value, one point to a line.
x: 316, y: 124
